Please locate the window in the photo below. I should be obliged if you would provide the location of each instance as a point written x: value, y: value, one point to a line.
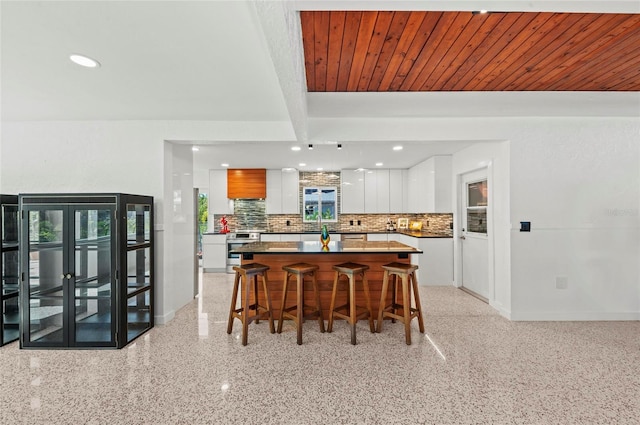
x: 320, y: 203
x: 477, y: 207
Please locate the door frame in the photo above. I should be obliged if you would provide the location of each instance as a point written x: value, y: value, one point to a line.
x: 459, y: 225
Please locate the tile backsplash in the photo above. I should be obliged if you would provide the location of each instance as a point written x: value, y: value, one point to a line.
x: 250, y: 214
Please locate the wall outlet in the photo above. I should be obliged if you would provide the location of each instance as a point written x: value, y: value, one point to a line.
x: 562, y: 282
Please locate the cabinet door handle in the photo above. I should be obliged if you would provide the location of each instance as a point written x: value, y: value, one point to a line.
x: 68, y: 276
x: 462, y: 237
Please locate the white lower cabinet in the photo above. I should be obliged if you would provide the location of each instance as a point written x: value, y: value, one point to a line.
x: 435, y: 264
x: 269, y: 237
x: 377, y: 237
x: 436, y: 261
x: 214, y: 253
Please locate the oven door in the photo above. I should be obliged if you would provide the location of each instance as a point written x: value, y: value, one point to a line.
x: 231, y: 245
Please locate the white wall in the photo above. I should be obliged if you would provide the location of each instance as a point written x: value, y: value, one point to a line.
x: 577, y: 182
x: 96, y: 157
x: 179, y: 252
x: 576, y: 179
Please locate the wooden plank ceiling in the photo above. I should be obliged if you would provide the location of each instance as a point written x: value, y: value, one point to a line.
x: 462, y: 51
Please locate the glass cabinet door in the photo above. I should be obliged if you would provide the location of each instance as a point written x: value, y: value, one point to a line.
x: 45, y: 277
x: 139, y: 264
x: 70, y: 283
x: 94, y: 276
x: 10, y: 312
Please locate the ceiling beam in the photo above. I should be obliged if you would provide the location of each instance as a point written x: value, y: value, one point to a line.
x: 575, y: 6
x: 283, y: 36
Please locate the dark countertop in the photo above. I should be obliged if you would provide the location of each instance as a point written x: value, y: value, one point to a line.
x: 315, y: 247
x: 412, y: 233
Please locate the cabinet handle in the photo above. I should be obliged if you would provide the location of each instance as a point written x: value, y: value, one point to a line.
x: 68, y: 276
x: 462, y: 237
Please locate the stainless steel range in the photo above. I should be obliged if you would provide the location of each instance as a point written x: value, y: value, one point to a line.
x: 237, y: 239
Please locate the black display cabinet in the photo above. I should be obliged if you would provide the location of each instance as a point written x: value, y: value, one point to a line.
x: 10, y: 319
x: 87, y: 269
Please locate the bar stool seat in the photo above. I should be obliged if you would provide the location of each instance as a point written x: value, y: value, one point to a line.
x: 300, y: 270
x: 351, y: 314
x: 406, y: 272
x: 247, y: 275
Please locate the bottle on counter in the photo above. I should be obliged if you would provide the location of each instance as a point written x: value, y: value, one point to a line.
x: 324, y: 236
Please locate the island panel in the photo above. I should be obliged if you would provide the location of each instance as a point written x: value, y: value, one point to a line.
x: 325, y: 276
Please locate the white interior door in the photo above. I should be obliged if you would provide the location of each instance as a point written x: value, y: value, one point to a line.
x: 474, y: 236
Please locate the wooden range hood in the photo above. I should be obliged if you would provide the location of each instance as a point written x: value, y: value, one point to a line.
x: 247, y: 183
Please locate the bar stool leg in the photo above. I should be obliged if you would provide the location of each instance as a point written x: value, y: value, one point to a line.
x: 317, y: 297
x: 406, y: 308
x: 285, y: 284
x: 352, y: 308
x: 254, y: 306
x: 300, y: 309
x: 333, y: 302
x: 245, y: 312
x: 365, y: 284
x: 394, y: 296
x: 234, y: 300
x: 416, y: 296
x: 383, y: 299
x: 267, y: 297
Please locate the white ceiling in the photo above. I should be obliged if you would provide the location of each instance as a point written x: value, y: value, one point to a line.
x: 225, y: 61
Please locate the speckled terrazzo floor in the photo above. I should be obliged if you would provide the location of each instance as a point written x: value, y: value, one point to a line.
x: 471, y: 367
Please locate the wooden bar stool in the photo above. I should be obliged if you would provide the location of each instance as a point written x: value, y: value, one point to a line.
x: 406, y: 272
x: 300, y: 270
x: 351, y: 315
x: 248, y: 274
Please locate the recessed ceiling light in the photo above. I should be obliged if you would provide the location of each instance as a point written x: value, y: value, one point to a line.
x: 302, y: 164
x: 397, y: 148
x: 319, y: 168
x: 295, y: 148
x: 379, y: 164
x: 360, y: 170
x: 195, y: 148
x: 224, y: 164
x: 84, y: 61
x: 288, y: 169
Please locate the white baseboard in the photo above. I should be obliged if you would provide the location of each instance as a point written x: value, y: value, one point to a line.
x: 500, y: 308
x: 575, y: 316
x: 163, y: 320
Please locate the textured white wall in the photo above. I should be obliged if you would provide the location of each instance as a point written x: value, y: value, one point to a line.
x: 577, y: 181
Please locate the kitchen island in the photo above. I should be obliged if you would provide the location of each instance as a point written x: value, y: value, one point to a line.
x: 372, y: 253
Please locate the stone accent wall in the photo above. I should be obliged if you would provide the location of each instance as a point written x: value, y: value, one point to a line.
x: 251, y: 214
x: 435, y: 223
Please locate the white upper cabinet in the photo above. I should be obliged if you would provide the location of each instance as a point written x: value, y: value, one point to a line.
x: 352, y: 185
x: 398, y: 191
x: 273, y: 202
x: 380, y: 191
x: 282, y: 192
x: 218, y: 201
x: 376, y: 191
x: 429, y: 186
x: 290, y: 192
